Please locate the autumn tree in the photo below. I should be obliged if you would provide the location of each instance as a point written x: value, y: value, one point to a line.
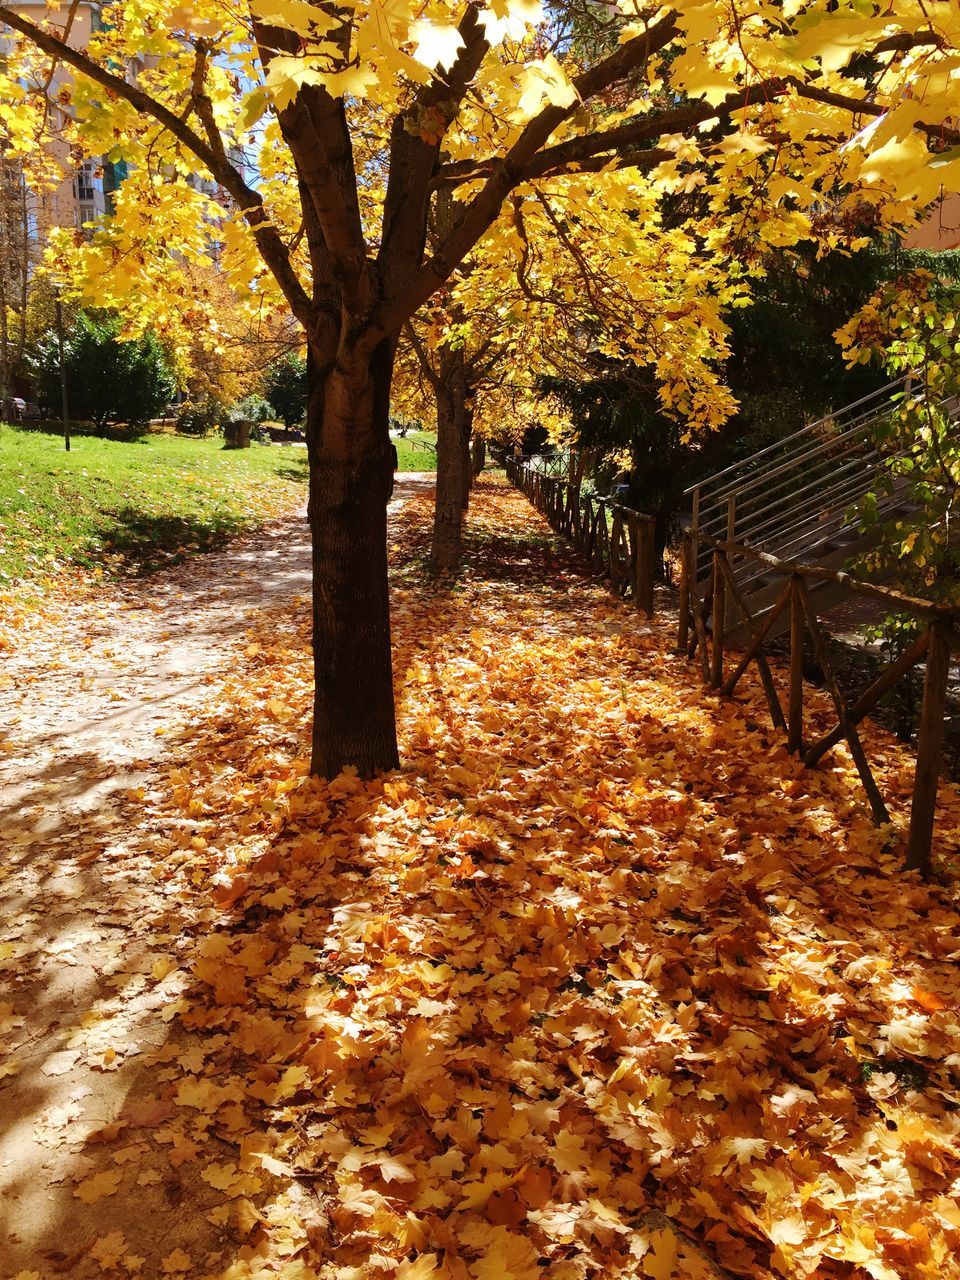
x: 578, y: 273
x: 16, y: 262
x: 362, y: 112
x: 909, y: 328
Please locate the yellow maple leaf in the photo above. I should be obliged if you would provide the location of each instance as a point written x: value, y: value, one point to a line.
x: 509, y: 1257
x: 108, y: 1249
x: 163, y: 966
x: 176, y: 1263
x: 570, y: 1153
x: 419, y: 1269
x: 393, y: 1170
x: 660, y: 1262
x: 100, y: 1185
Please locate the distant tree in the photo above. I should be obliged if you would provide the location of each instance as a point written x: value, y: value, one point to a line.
x: 285, y: 386
x: 108, y: 379
x: 17, y: 258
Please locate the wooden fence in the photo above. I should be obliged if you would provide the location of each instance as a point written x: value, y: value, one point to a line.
x: 617, y: 542
x: 938, y: 638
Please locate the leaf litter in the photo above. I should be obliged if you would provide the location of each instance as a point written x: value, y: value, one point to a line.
x: 600, y: 983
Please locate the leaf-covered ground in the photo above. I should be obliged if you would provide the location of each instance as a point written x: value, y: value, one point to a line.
x: 601, y: 983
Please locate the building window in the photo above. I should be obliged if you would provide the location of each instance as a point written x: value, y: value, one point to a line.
x: 84, y: 183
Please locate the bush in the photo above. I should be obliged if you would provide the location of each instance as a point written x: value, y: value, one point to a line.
x: 286, y: 388
x: 252, y: 408
x: 108, y: 379
x: 199, y: 417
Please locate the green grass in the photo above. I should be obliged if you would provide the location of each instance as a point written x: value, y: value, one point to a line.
x: 132, y: 506
x: 417, y: 451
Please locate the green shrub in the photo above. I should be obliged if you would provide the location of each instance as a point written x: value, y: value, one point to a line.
x: 252, y: 408
x: 199, y: 417
x: 286, y: 389
x: 109, y: 380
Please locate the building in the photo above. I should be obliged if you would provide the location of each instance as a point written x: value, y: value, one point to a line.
x: 940, y: 229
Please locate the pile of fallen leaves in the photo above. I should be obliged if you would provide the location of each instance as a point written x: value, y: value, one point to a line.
x: 600, y: 983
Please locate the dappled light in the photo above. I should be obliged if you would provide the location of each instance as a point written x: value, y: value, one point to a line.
x: 600, y: 982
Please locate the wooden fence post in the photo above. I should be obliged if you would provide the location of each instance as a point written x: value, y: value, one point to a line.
x: 646, y: 554
x: 613, y: 550
x: 719, y: 619
x: 683, y: 618
x: 588, y: 526
x: 795, y: 714
x: 929, y: 747
x: 633, y: 555
x: 695, y: 562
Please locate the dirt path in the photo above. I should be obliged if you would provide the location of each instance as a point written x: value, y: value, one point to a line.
x: 85, y: 711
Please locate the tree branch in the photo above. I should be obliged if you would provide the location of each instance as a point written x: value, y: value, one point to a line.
x: 421, y: 353
x: 314, y: 127
x: 249, y: 201
x: 859, y: 106
x: 481, y: 212
x: 413, y: 157
x: 202, y: 104
x: 571, y: 155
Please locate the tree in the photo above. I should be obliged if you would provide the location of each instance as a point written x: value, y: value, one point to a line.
x: 784, y: 369
x: 28, y: 175
x: 285, y: 386
x: 553, y: 291
x: 909, y: 327
x: 108, y: 379
x: 17, y: 258
x: 365, y: 111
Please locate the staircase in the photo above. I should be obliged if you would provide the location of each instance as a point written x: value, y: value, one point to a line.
x: 795, y: 500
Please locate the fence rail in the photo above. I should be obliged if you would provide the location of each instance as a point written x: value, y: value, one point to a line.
x: 617, y: 542
x: 934, y: 645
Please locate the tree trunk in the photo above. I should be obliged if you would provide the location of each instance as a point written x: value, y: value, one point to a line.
x: 351, y: 470
x: 466, y: 461
x: 453, y: 435
x: 478, y: 453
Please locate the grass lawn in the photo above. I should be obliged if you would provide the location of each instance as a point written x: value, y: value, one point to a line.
x: 417, y: 451
x: 132, y: 506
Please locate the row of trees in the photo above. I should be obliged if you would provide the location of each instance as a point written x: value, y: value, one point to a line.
x: 115, y: 378
x: 499, y: 188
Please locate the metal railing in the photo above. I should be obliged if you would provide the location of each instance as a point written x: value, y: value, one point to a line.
x: 795, y: 495
x: 548, y: 464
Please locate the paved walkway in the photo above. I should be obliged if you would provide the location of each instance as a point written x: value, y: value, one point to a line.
x: 86, y: 707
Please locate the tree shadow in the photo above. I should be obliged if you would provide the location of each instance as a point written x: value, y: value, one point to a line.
x: 84, y: 1033
x: 146, y: 542
x: 295, y: 467
x: 121, y: 433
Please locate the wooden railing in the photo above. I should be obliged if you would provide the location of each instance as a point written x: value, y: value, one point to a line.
x: 549, y: 464
x: 617, y: 542
x: 938, y: 638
